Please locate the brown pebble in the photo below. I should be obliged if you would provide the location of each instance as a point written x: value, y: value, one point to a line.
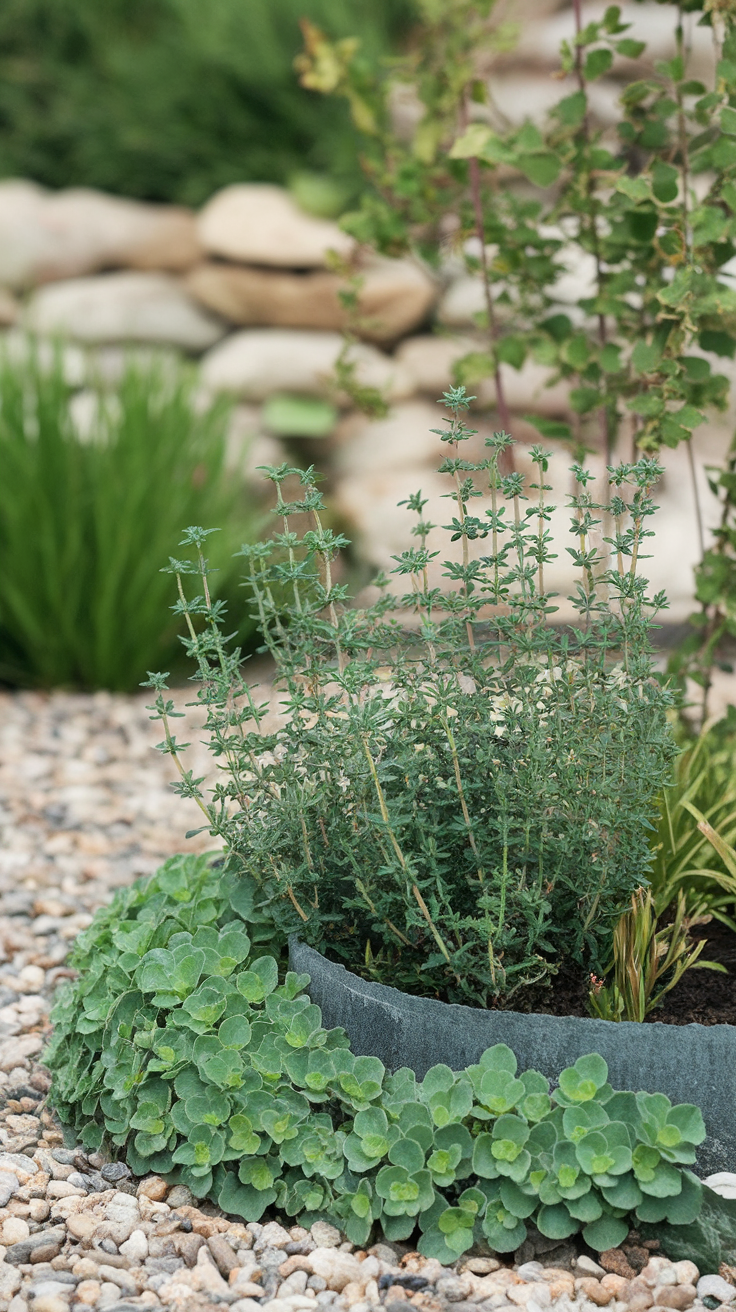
x: 298, y: 1262
x: 188, y: 1246
x: 562, y: 1284
x: 154, y: 1188
x: 616, y: 1261
x: 85, y: 1269
x: 170, y: 1226
x: 481, y: 1266
x: 593, y: 1289
x: 640, y: 1296
x: 223, y: 1254
x: 109, y: 1259
x: 45, y: 1252
x: 201, y: 1224
x: 677, y: 1296
x: 395, y: 1293
x: 88, y: 1291
x: 637, y: 1256
x: 618, y: 1285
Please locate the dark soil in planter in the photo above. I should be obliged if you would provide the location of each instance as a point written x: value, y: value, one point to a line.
x: 703, y: 997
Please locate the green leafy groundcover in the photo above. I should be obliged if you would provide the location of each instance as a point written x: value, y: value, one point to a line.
x: 178, y: 1044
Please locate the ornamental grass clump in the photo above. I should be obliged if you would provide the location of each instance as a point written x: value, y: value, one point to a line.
x: 458, y: 800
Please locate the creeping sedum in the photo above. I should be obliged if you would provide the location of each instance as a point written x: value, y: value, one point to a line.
x: 179, y: 1046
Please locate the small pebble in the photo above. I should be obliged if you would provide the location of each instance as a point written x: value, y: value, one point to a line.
x: 588, y: 1266
x: 714, y: 1286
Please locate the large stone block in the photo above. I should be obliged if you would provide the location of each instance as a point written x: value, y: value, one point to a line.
x: 45, y: 236
x: 396, y: 296
x: 257, y: 223
x: 124, y: 307
x: 254, y: 364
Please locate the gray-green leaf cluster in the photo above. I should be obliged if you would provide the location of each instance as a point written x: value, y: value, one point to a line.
x: 179, y: 1045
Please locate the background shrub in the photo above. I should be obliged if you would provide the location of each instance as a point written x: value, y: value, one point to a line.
x: 87, y: 526
x: 169, y: 100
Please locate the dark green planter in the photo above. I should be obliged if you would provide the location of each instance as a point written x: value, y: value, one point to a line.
x: 690, y: 1063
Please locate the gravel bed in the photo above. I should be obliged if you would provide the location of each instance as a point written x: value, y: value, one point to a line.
x: 84, y: 808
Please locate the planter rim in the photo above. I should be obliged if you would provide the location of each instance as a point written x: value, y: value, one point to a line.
x: 388, y: 995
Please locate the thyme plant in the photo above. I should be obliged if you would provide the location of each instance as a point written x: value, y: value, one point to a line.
x: 458, y: 800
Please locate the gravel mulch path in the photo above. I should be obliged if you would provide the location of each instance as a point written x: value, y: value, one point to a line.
x: 85, y: 807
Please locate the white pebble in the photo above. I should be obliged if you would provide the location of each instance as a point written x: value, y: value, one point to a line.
x: 14, y: 1230
x: 109, y: 1293
x: 687, y: 1273
x: 135, y: 1248
x: 716, y: 1287
x: 723, y: 1183
x: 590, y: 1267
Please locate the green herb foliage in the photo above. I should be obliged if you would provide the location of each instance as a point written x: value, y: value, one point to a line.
x: 179, y: 1044
x: 85, y: 525
x: 459, y: 799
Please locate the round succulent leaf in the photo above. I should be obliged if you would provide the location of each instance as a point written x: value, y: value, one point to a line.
x: 260, y: 1172
x: 624, y: 1193
x: 579, y: 1121
x: 210, y: 1109
x: 406, y: 1153
x: 148, y: 1118
x: 499, y: 1091
x: 516, y: 1200
x: 587, y: 1207
x: 244, y: 1200
x: 455, y: 1218
x: 688, y: 1121
x: 666, y: 1181
x: 235, y: 1032
x: 535, y: 1106
x: 593, y: 1154
x: 534, y: 1082
x: 607, y: 1232
x: 433, y: 1243
x: 556, y: 1222
x: 685, y: 1207
x: 206, y: 1004
x: 259, y: 980
x: 581, y: 1082
x: 439, y: 1079
x: 546, y: 1187
x: 442, y: 1164
x: 499, y: 1058
x: 645, y: 1159
x: 652, y: 1210
x: 224, y: 1069
x: 243, y: 1138
x: 509, y: 1135
x: 399, y: 1189
x: 504, y: 1231
x: 518, y: 1169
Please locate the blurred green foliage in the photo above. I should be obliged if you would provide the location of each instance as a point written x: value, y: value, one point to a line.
x: 87, y: 526
x: 170, y: 99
